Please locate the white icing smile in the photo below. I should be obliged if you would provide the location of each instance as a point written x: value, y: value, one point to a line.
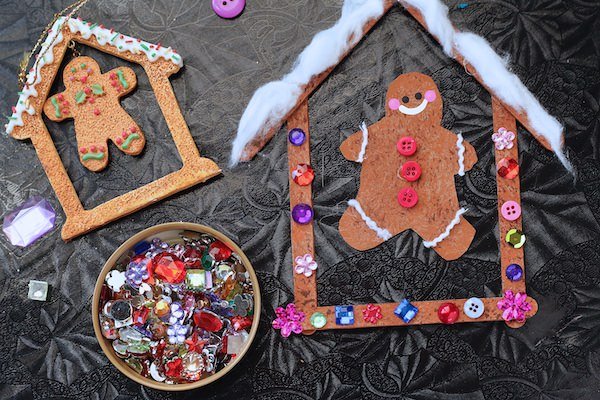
x: 414, y: 110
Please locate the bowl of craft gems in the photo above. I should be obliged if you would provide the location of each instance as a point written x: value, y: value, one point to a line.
x: 176, y: 306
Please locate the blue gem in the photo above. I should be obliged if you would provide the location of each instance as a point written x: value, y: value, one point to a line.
x: 514, y: 272
x: 344, y: 315
x: 297, y: 137
x: 141, y: 247
x: 406, y: 311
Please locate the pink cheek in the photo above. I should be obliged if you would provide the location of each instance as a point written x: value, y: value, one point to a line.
x: 394, y: 104
x: 430, y: 96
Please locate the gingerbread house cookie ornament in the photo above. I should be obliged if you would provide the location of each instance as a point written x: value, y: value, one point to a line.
x: 92, y: 100
x: 408, y: 167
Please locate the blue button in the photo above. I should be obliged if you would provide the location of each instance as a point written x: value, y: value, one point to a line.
x: 406, y: 311
x: 344, y: 315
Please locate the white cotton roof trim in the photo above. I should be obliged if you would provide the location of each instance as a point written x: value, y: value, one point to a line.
x: 493, y: 71
x: 271, y: 102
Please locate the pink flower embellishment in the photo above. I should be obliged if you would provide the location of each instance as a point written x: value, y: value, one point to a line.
x: 305, y: 265
x: 503, y: 139
x: 288, y: 320
x: 514, y: 306
x: 372, y: 313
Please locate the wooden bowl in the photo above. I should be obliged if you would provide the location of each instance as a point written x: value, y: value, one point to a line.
x: 166, y: 232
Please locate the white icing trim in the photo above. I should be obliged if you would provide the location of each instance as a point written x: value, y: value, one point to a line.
x: 446, y: 233
x: 461, y: 154
x: 365, y: 141
x: 381, y: 233
x: 86, y: 29
x: 413, y: 110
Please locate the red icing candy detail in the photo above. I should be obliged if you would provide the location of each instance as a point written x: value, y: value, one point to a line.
x: 91, y: 100
x: 101, y: 148
x: 83, y: 79
x: 119, y: 140
x: 82, y: 150
x: 124, y: 134
x: 133, y: 129
x: 60, y: 97
x: 14, y: 109
x: 93, y: 148
x: 96, y: 111
x: 112, y: 76
x: 87, y: 90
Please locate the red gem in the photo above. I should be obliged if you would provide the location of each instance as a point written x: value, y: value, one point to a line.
x: 303, y: 174
x: 141, y: 316
x: 240, y: 323
x: 208, y: 321
x: 194, y: 343
x: 508, y: 168
x: 372, y: 313
x: 173, y: 369
x: 448, y: 313
x: 82, y: 150
x: 169, y: 267
x: 219, y: 251
x: 192, y: 258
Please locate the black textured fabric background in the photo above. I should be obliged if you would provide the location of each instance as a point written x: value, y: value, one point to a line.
x: 48, y: 350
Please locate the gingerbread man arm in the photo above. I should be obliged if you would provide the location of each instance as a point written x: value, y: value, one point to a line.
x: 354, y: 147
x: 470, y: 155
x: 122, y: 80
x: 57, y: 107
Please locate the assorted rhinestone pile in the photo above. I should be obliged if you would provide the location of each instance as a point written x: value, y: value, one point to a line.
x: 180, y: 311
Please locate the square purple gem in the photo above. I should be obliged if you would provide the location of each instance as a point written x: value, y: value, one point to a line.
x: 29, y: 221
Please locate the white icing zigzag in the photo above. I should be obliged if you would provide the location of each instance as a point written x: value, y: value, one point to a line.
x: 363, y: 146
x: 461, y: 155
x: 446, y: 233
x: 86, y: 29
x: 382, y: 233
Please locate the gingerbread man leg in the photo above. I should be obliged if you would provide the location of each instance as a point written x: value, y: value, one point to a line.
x: 358, y: 230
x: 128, y: 136
x: 453, y: 240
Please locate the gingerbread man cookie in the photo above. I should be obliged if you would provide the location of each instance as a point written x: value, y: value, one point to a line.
x: 92, y: 100
x: 407, y: 180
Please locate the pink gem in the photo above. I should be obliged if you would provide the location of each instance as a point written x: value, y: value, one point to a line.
x: 29, y: 221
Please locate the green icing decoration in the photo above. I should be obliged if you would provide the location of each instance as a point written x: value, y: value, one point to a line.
x: 143, y: 46
x: 82, y: 66
x: 129, y: 139
x: 93, y: 156
x: 80, y: 97
x: 54, y: 102
x: 73, y: 69
x: 122, y: 79
x: 97, y: 89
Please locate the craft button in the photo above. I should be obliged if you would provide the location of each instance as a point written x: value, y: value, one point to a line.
x: 515, y: 238
x: 297, y: 137
x: 407, y: 146
x: 411, y: 171
x: 508, y: 168
x: 408, y: 198
x: 318, y: 320
x: 448, y: 313
x: 514, y: 272
x: 511, y: 210
x: 473, y: 308
x: 228, y: 8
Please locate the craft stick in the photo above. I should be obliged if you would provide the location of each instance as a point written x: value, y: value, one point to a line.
x: 305, y: 288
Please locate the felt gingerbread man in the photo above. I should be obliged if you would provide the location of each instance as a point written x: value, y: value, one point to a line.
x: 409, y: 162
x: 92, y: 99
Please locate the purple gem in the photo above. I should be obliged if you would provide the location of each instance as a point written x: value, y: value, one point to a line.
x: 29, y: 221
x: 297, y: 136
x: 514, y: 272
x: 302, y: 213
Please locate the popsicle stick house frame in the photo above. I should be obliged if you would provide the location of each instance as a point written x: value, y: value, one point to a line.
x: 305, y: 288
x: 26, y: 122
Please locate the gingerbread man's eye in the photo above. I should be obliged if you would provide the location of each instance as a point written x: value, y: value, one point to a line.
x: 418, y: 96
x: 405, y: 99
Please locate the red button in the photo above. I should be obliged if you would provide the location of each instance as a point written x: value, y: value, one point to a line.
x: 411, y: 171
x: 408, y: 198
x: 407, y: 146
